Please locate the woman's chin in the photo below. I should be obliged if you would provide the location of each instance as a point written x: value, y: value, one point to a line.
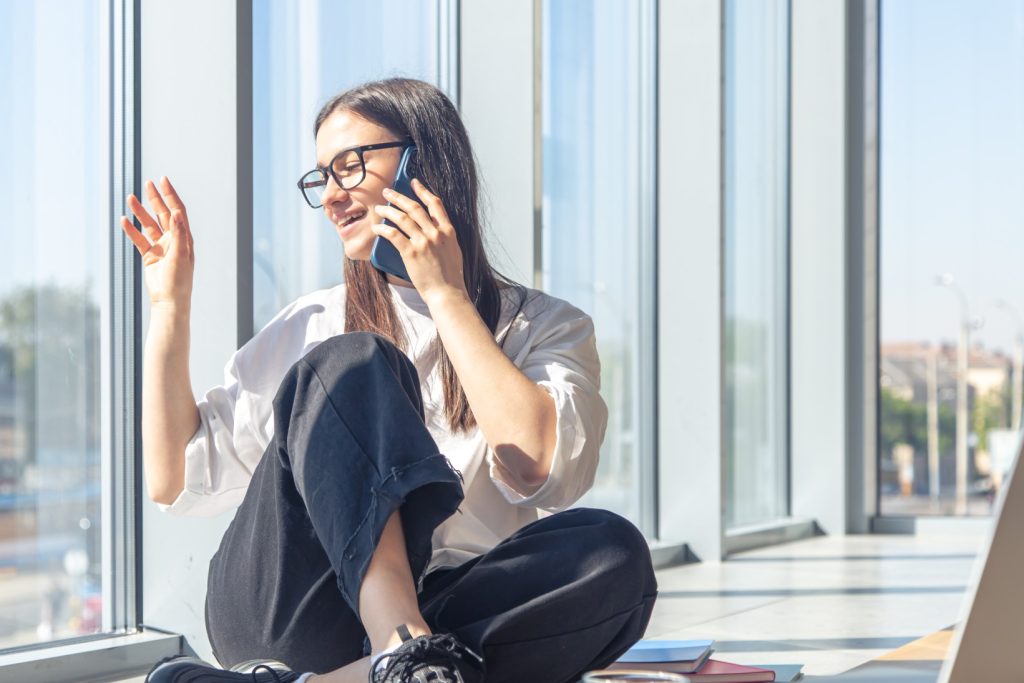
x: 357, y: 250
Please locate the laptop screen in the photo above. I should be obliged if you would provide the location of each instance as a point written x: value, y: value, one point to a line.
x: 989, y: 639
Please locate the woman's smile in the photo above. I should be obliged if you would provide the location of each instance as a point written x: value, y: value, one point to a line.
x: 347, y: 224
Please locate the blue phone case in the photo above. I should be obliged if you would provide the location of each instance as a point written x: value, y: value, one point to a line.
x: 384, y: 255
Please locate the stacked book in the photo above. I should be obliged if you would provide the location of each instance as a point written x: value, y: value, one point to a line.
x: 692, y: 658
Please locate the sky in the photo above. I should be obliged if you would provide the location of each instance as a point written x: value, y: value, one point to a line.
x: 54, y: 142
x: 951, y: 171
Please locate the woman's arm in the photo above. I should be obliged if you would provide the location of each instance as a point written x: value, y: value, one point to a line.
x: 169, y: 412
x: 516, y: 415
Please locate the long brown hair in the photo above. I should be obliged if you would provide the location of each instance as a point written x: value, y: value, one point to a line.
x: 415, y: 110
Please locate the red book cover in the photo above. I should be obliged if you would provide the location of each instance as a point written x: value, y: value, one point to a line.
x: 716, y: 671
x: 713, y: 671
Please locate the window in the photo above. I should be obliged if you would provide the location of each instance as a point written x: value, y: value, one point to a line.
x: 304, y: 53
x: 952, y: 308
x: 756, y: 253
x: 598, y: 219
x: 62, y: 495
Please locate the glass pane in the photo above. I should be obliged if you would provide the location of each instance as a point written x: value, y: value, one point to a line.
x: 56, y: 232
x: 592, y: 212
x: 756, y: 260
x: 952, y: 304
x: 303, y: 54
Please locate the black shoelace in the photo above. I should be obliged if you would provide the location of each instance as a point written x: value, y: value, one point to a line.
x: 424, y: 651
x: 264, y: 666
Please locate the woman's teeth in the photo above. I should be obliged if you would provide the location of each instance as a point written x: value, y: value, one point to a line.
x: 353, y: 218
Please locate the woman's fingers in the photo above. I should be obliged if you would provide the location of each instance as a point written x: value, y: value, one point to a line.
x: 163, y: 205
x: 159, y: 207
x: 140, y: 242
x: 183, y: 241
x: 407, y: 227
x: 434, y: 206
x: 150, y: 227
x: 413, y: 209
x: 173, y: 200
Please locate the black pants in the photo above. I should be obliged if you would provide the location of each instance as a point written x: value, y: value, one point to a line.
x: 562, y: 595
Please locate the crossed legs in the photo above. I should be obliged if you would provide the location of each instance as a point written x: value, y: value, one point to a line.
x: 328, y: 549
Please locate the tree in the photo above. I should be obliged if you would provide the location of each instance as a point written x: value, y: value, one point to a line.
x: 51, y: 334
x: 906, y: 422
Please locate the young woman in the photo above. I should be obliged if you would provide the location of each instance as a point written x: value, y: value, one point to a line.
x: 395, y: 450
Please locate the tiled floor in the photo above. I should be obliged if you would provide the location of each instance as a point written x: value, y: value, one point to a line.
x: 829, y: 603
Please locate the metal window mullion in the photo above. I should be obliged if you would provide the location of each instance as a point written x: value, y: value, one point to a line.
x: 244, y: 145
x: 787, y: 316
x: 120, y: 603
x: 862, y: 302
x: 648, y: 291
x: 107, y: 485
x: 538, y: 144
x: 448, y: 49
x: 723, y: 359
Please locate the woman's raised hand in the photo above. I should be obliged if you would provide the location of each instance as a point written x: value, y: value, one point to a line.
x: 165, y: 244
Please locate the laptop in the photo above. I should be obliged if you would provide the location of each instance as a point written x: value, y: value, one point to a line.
x: 988, y: 643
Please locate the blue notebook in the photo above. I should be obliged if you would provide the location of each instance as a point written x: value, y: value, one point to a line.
x: 667, y: 651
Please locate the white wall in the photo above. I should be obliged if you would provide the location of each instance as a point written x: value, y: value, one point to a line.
x: 690, y: 336
x: 818, y: 286
x: 188, y: 128
x: 496, y: 101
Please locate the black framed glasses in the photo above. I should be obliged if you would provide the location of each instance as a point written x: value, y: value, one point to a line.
x: 348, y: 168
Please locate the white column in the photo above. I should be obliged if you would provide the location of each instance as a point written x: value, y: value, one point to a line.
x: 190, y: 130
x: 690, y: 340
x: 818, y: 408
x: 497, y: 103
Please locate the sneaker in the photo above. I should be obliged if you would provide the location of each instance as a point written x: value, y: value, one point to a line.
x: 250, y: 665
x: 185, y: 669
x: 437, y: 658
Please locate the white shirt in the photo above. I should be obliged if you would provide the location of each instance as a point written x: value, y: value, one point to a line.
x: 550, y: 341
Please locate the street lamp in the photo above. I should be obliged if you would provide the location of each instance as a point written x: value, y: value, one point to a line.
x: 1018, y: 364
x: 934, y: 485
x: 963, y: 345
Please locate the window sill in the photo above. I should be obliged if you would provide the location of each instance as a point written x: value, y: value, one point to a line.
x: 102, y: 659
x: 667, y: 554
x: 755, y: 536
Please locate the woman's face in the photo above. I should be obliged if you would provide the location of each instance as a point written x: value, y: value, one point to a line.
x: 343, y: 130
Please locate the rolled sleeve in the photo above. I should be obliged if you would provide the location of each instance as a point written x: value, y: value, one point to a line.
x: 216, y: 475
x: 563, y: 360
x: 236, y: 417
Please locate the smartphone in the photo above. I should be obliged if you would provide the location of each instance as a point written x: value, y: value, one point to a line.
x: 384, y: 255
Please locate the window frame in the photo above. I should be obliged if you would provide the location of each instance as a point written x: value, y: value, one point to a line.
x: 762, y: 532
x: 645, y: 153
x: 122, y: 647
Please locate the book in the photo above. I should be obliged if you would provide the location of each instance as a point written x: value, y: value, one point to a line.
x: 785, y: 673
x: 649, y: 651
x: 683, y: 666
x: 716, y: 671
x: 722, y: 672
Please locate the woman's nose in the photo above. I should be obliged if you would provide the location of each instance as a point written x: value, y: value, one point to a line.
x: 333, y: 192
